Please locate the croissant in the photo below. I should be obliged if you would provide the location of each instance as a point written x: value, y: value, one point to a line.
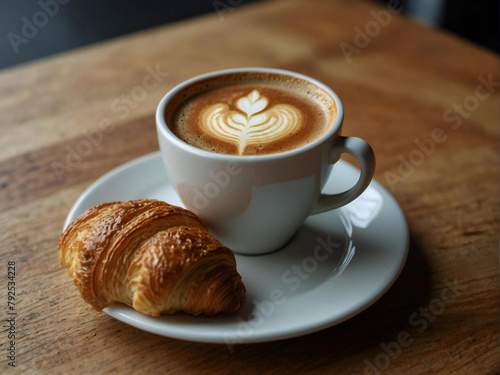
x: 153, y: 256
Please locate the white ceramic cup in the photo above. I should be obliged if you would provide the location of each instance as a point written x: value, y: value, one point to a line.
x: 255, y: 204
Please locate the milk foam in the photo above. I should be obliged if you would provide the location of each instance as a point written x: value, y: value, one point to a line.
x: 252, y: 124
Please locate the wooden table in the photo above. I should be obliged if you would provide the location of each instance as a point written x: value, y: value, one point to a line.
x: 427, y: 101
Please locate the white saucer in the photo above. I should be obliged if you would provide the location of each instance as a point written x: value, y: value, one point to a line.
x: 299, y: 289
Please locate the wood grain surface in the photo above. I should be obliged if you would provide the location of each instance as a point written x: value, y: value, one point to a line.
x: 425, y: 100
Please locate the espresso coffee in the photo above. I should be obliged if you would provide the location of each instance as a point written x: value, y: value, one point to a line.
x: 250, y: 113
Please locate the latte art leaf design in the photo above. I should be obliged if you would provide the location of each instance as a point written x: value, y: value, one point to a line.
x: 251, y: 124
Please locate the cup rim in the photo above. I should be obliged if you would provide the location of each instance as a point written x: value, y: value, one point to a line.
x: 164, y: 129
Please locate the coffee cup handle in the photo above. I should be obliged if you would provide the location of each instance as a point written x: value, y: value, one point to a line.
x: 366, y: 158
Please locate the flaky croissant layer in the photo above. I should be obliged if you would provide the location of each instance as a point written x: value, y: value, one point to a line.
x: 153, y: 256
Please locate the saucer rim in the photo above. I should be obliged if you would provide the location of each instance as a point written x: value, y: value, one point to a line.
x: 128, y: 315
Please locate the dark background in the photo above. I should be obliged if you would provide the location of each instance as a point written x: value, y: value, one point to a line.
x: 82, y: 22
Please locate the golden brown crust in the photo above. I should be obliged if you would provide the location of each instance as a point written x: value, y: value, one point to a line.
x: 153, y: 256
